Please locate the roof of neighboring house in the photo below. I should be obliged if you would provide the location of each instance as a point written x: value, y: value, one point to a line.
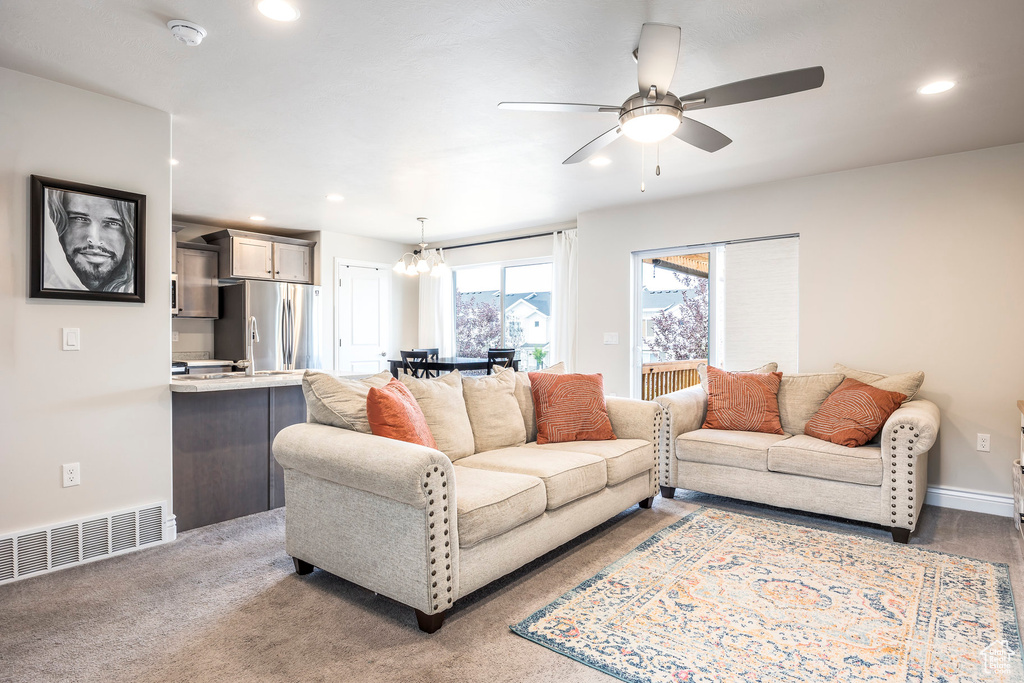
x: 539, y: 300
x: 662, y: 299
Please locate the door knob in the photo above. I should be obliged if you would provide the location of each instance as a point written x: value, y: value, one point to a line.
x: 383, y: 354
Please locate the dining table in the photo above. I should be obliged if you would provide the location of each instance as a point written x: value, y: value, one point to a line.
x: 447, y: 364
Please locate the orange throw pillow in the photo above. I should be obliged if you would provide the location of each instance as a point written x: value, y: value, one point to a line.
x: 570, y: 408
x: 853, y: 414
x: 393, y: 413
x: 743, y: 401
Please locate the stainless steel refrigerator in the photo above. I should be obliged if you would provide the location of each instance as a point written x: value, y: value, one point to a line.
x: 288, y: 319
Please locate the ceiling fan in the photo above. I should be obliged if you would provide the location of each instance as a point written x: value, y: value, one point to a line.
x: 654, y: 113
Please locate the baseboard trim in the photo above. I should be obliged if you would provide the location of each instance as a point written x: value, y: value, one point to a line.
x: 974, y: 501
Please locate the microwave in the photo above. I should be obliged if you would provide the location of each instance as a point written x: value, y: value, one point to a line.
x: 174, y: 294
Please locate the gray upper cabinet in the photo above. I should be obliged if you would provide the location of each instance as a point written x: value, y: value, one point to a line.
x: 291, y: 262
x: 197, y: 268
x: 255, y: 256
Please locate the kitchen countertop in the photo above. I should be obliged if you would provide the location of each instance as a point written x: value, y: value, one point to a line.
x: 290, y: 379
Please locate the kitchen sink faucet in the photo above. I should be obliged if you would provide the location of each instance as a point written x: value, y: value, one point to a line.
x: 252, y: 334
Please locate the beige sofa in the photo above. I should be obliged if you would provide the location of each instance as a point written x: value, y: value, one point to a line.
x: 882, y: 482
x: 425, y: 529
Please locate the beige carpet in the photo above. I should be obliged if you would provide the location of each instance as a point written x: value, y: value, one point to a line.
x: 223, y: 604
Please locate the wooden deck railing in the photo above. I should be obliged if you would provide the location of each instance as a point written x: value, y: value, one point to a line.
x: 664, y: 378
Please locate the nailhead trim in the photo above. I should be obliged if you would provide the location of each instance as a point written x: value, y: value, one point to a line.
x: 436, y: 505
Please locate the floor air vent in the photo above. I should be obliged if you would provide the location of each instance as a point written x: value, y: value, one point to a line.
x: 69, y: 543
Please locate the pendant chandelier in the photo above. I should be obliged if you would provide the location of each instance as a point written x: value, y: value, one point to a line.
x: 419, y: 261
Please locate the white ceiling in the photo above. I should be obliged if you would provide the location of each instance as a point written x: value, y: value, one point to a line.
x: 392, y: 104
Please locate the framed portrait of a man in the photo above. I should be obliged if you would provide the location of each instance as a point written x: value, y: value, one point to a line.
x: 87, y: 242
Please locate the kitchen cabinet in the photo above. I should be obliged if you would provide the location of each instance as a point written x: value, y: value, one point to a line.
x: 256, y: 256
x: 223, y: 460
x: 197, y: 266
x: 291, y: 262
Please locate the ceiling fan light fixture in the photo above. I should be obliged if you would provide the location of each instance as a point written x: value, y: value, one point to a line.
x: 648, y: 128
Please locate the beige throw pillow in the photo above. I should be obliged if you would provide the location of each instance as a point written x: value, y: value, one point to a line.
x: 702, y: 372
x: 525, y: 398
x: 443, y: 406
x: 337, y: 401
x: 907, y: 383
x: 494, y: 411
x: 801, y: 395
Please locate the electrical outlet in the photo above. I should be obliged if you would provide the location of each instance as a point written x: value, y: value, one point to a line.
x: 72, y: 474
x: 984, y: 443
x: 174, y: 336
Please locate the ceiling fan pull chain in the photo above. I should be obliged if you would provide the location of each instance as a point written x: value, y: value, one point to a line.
x: 657, y: 167
x: 643, y: 162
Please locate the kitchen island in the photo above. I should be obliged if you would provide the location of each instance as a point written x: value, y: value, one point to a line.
x: 223, y: 433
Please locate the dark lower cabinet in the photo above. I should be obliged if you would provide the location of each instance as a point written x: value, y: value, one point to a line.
x: 224, y: 465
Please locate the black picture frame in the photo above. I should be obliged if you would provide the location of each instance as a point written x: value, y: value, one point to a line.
x: 69, y: 262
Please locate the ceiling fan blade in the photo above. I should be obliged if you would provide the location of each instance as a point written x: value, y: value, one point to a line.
x: 701, y: 136
x: 558, y: 106
x: 760, y: 88
x: 601, y: 141
x: 656, y: 57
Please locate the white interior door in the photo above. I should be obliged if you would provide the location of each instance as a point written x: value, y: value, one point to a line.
x: 363, y: 317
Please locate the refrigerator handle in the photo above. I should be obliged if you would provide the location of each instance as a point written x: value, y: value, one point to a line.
x: 291, y: 333
x: 283, y: 334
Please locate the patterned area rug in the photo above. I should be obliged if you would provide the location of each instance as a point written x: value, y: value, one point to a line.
x: 719, y: 596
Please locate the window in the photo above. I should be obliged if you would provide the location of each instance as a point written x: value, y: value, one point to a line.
x: 504, y: 306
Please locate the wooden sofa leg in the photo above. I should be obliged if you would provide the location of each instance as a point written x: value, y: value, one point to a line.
x: 900, y: 535
x: 668, y: 492
x: 430, y: 623
x: 646, y: 503
x: 302, y: 567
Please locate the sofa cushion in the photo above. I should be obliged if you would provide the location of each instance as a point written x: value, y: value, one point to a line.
x: 394, y: 414
x: 800, y: 396
x: 337, y: 401
x: 747, y: 401
x: 443, y: 406
x: 570, y: 408
x: 490, y: 503
x: 907, y: 383
x: 525, y: 398
x: 493, y: 411
x: 748, y: 450
x: 810, y: 457
x: 853, y: 414
x: 624, y: 458
x: 702, y: 372
x: 566, y: 476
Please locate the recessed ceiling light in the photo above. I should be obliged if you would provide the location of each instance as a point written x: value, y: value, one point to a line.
x: 173, y: 162
x: 335, y: 197
x: 257, y: 218
x: 600, y: 161
x: 278, y: 10
x: 936, y: 87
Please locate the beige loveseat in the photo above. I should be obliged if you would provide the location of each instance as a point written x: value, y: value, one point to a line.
x: 426, y: 528
x: 883, y: 482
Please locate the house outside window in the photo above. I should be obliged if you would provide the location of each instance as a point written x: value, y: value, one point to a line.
x: 504, y: 306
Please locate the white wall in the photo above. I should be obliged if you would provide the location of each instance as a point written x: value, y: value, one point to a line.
x: 910, y: 266
x: 107, y: 406
x: 404, y: 289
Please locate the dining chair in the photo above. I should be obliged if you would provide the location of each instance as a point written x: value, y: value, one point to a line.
x: 415, y: 363
x: 431, y: 353
x: 501, y: 358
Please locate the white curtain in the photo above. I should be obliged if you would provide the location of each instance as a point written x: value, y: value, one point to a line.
x: 437, y: 301
x: 564, y: 298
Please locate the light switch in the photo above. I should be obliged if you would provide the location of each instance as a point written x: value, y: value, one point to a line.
x: 72, y: 339
x: 611, y: 337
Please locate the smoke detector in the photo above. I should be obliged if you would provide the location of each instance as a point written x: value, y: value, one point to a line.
x: 186, y: 32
